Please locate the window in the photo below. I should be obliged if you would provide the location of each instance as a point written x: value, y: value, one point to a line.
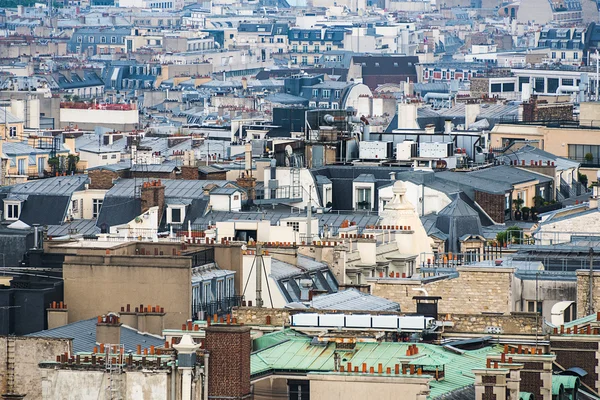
x: 543, y: 192
x: 96, y: 206
x: 305, y: 49
x: 295, y: 48
x: 575, y: 55
x: 563, y: 55
x: 75, y: 206
x: 534, y: 306
x: 294, y: 60
x: 12, y: 211
x: 335, y: 106
x: 21, y: 166
x: 104, y: 157
x: 328, y: 47
x: 79, y: 39
x: 315, y: 93
x: 304, y: 60
x: 553, y: 54
x: 206, y: 293
x: 113, y: 156
x: 113, y: 39
x: 12, y: 131
x: 306, y: 35
x: 231, y: 287
x: 326, y: 93
x: 295, y: 225
x: 102, y: 39
x: 176, y: 216
x: 91, y: 39
x: 363, y: 199
x: 507, y: 201
x: 220, y: 290
x: 317, y: 48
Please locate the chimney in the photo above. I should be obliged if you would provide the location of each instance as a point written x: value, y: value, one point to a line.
x: 129, y: 317
x: 229, y: 347
x: 471, y: 113
x: 58, y: 315
x: 448, y: 126
x: 153, y: 195
x: 108, y: 329
x: 155, y: 320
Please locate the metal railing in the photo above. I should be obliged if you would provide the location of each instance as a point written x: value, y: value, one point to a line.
x: 219, y: 307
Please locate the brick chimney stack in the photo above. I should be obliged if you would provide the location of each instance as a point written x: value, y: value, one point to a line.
x: 153, y: 195
x: 229, y: 347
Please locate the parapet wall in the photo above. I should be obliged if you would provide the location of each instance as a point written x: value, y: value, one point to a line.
x: 512, y: 324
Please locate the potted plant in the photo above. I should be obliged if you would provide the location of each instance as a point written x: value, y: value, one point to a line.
x: 525, y: 211
x: 589, y: 157
x: 517, y: 203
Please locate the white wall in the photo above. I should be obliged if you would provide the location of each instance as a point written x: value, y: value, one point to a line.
x: 76, y: 116
x: 96, y: 159
x: 435, y: 200
x: 283, y: 175
x: 250, y: 293
x: 88, y: 195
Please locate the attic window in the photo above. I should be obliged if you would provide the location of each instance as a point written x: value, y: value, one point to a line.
x: 395, y: 64
x: 410, y: 64
x: 12, y: 210
x: 377, y: 64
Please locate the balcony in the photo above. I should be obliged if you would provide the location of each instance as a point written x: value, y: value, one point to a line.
x: 219, y: 307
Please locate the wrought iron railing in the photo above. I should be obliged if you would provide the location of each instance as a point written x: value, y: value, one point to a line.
x: 219, y: 307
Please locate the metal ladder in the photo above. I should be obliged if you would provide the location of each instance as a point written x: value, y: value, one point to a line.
x: 295, y: 177
x: 114, y: 368
x: 10, y: 364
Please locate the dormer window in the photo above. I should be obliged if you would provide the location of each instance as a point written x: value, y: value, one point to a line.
x: 12, y: 210
x: 175, y: 214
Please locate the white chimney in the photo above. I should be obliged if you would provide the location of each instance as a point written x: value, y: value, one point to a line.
x: 248, y: 159
x: 448, y: 126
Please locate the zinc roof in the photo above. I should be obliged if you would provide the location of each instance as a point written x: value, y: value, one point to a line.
x: 352, y: 299
x: 298, y: 355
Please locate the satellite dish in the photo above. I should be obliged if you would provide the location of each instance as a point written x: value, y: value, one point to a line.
x: 288, y: 150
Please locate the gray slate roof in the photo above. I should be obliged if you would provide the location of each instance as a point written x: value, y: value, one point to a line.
x: 60, y: 185
x: 83, y: 334
x: 352, y: 299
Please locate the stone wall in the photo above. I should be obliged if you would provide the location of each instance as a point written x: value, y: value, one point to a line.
x: 583, y: 289
x: 513, y: 324
x: 29, y: 352
x: 480, y: 87
x: 474, y: 291
x: 492, y: 204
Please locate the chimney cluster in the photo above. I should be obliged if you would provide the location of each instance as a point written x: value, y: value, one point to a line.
x: 58, y: 314
x: 148, y: 318
x: 148, y: 358
x: 153, y: 195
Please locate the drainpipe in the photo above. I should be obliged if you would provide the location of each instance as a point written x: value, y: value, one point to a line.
x: 206, y: 356
x: 173, y: 377
x: 422, y: 290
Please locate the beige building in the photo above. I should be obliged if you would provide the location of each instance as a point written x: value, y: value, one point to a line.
x: 101, y: 276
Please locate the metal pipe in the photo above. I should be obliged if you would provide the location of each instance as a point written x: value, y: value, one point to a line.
x: 173, y: 378
x: 205, y: 375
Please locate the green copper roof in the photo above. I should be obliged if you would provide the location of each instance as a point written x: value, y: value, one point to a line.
x: 271, y: 339
x: 525, y: 396
x: 297, y: 354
